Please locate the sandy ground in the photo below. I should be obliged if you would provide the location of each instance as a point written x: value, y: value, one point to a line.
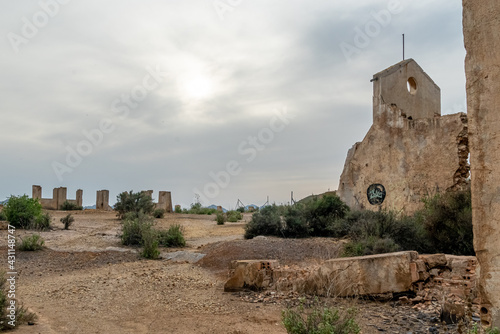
x: 85, y: 281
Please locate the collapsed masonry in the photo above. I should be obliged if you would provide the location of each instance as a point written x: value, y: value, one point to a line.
x: 437, y: 279
x: 410, y: 151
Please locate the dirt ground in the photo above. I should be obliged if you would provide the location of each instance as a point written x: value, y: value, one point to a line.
x: 85, y: 281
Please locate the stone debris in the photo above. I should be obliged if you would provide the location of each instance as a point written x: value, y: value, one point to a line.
x: 437, y: 286
x: 183, y: 256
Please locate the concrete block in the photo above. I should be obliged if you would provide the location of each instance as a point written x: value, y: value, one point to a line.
x: 364, y: 275
x: 250, y: 274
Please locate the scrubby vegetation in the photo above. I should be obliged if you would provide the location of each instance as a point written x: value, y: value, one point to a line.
x: 220, y: 218
x: 31, y: 243
x: 444, y: 225
x: 69, y: 206
x: 133, y: 227
x: 233, y: 216
x: 138, y: 230
x: 67, y: 221
x: 173, y: 237
x: 314, y: 218
x: 320, y: 320
x: 130, y: 202
x: 198, y: 209
x: 447, y: 219
x: 27, y: 213
x: 159, y: 213
x: 11, y: 316
x: 3, y: 217
x: 149, y: 241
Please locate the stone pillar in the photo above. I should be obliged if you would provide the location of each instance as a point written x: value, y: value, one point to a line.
x: 482, y: 42
x: 165, y: 201
x: 79, y: 197
x: 102, y: 200
x: 59, y: 196
x: 37, y: 192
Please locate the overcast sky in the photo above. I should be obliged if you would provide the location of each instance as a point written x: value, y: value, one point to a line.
x: 264, y: 96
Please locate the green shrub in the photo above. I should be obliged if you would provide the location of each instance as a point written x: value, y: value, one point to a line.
x: 22, y: 211
x: 173, y: 237
x: 133, y: 227
x: 159, y: 213
x: 317, y: 217
x: 265, y: 222
x: 447, y: 219
x: 130, y: 202
x: 241, y: 209
x: 69, y: 206
x: 33, y: 242
x: 178, y: 209
x: 149, y: 243
x: 296, y: 225
x: 233, y: 216
x: 364, y: 227
x: 320, y: 320
x: 220, y: 218
x: 321, y: 214
x: 22, y: 314
x: 3, y: 217
x: 370, y: 246
x: 67, y: 221
x: 197, y: 209
x: 41, y: 222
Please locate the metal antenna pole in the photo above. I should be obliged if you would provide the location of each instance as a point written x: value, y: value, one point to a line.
x: 403, y: 46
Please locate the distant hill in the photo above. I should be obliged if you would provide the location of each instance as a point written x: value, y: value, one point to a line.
x: 319, y: 196
x: 213, y: 206
x: 4, y: 202
x: 90, y: 207
x: 253, y: 206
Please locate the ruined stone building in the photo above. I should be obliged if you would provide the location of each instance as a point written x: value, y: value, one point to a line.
x: 410, y: 151
x: 59, y: 197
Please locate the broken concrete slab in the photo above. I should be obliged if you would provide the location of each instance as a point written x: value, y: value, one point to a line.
x: 250, y: 274
x: 364, y: 275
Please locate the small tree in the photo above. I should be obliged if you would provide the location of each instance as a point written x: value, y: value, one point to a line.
x: 67, y: 221
x: 133, y: 202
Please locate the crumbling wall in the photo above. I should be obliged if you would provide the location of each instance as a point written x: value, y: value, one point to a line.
x: 481, y: 20
x: 164, y: 200
x: 59, y: 196
x: 411, y: 158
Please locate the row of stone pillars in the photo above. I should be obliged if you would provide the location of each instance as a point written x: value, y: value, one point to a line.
x: 102, y: 199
